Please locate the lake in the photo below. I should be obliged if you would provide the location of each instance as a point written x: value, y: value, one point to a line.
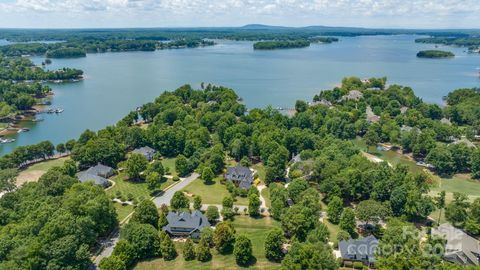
x: 117, y: 83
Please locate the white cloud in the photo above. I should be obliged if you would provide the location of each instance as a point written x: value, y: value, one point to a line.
x: 379, y: 13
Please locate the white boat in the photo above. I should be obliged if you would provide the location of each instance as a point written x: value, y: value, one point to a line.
x: 2, y: 140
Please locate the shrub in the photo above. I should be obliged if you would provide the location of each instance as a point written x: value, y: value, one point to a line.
x: 357, y: 265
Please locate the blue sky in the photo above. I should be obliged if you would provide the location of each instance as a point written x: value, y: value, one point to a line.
x: 185, y: 13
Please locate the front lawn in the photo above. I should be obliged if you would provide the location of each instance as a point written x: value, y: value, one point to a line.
x: 170, y: 163
x: 138, y: 190
x: 123, y: 210
x: 211, y: 193
x: 254, y: 229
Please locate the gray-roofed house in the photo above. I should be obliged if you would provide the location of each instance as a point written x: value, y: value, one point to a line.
x: 85, y: 177
x: 241, y: 176
x: 359, y: 249
x: 97, y: 174
x: 461, y: 248
x: 101, y: 170
x: 186, y: 224
x: 145, y: 151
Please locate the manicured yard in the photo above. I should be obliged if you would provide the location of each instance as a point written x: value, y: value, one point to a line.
x: 255, y: 229
x: 211, y: 193
x: 44, y: 166
x: 170, y: 163
x: 35, y: 171
x: 122, y: 210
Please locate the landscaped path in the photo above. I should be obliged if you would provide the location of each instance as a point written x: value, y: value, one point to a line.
x: 262, y: 199
x: 163, y: 198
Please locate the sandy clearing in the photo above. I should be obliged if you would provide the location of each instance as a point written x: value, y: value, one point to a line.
x: 29, y: 176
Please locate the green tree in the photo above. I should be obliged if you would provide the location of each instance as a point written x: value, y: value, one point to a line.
x: 197, y: 202
x: 319, y: 234
x: 168, y: 249
x: 152, y: 180
x: 371, y: 211
x: 125, y: 251
x: 274, y: 244
x: 242, y: 250
x: 146, y: 213
x: 203, y: 251
x: 188, y: 250
x: 224, y: 237
x: 60, y: 148
x: 347, y: 222
x: 254, y: 205
x: 135, y: 165
x: 212, y: 214
x: 440, y: 204
x: 112, y: 263
x: 156, y: 166
x: 144, y: 239
x: 183, y: 166
x: 309, y: 256
x: 8, y: 179
x: 207, y: 175
x: 335, y: 208
x: 456, y: 211
x: 162, y: 220
x: 227, y: 202
x: 475, y: 163
x: 301, y: 106
x: 179, y: 201
x: 70, y: 168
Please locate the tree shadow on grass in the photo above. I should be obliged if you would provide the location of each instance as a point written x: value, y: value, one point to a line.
x: 250, y: 262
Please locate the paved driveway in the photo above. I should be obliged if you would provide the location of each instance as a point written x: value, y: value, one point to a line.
x: 163, y: 198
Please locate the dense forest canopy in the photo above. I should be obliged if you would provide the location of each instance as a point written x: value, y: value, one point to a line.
x: 202, y: 127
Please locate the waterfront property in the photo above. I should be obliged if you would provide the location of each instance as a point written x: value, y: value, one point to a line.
x: 461, y: 248
x: 98, y: 174
x: 145, y: 151
x: 240, y: 176
x: 186, y: 224
x: 359, y: 249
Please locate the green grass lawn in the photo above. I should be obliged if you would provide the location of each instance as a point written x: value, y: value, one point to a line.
x: 266, y: 195
x: 139, y: 190
x: 260, y: 171
x: 255, y: 229
x: 170, y: 163
x: 45, y: 165
x: 122, y: 210
x: 211, y: 193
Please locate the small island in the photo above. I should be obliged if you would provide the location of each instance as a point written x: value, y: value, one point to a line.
x: 66, y: 53
x: 280, y: 44
x: 435, y: 54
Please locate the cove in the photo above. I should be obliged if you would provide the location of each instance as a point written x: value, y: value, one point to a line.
x: 117, y: 83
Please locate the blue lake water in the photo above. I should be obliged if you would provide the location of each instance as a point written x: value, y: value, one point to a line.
x: 117, y: 83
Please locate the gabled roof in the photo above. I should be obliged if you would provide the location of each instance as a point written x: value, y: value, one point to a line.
x: 100, y: 169
x: 194, y: 221
x: 360, y: 248
x: 460, y: 246
x: 146, y: 150
x: 242, y: 175
x: 85, y: 176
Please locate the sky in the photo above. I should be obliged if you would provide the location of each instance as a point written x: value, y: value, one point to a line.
x: 202, y: 13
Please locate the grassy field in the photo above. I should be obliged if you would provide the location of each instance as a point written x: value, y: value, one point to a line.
x: 170, y: 163
x: 35, y: 171
x: 255, y: 229
x: 211, y: 193
x: 260, y: 171
x: 122, y: 210
x: 266, y: 194
x: 44, y: 166
x: 139, y: 190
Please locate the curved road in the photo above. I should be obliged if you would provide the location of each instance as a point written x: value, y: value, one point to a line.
x: 163, y: 198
